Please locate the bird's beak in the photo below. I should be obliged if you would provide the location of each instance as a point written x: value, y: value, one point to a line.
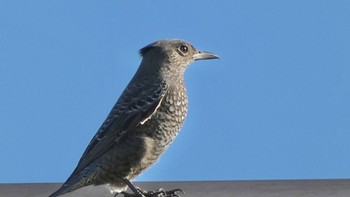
x: 202, y: 55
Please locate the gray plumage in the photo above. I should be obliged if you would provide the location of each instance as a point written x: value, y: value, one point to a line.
x: 144, y: 121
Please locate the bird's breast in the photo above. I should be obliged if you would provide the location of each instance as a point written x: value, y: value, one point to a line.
x: 166, y: 122
x: 160, y: 130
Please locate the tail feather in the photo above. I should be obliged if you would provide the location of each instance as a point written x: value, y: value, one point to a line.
x: 65, y: 188
x: 60, y: 191
x: 74, y: 182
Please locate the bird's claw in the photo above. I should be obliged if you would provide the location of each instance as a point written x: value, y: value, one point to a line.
x: 159, y: 193
x: 162, y: 193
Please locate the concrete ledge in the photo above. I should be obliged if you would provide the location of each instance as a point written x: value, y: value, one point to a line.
x: 287, y: 188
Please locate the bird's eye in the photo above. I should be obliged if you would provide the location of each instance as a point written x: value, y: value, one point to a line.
x: 183, y: 48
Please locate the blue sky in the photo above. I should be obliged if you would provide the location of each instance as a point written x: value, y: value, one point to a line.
x: 275, y: 106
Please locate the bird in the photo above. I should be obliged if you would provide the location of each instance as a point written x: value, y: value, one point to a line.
x: 142, y: 124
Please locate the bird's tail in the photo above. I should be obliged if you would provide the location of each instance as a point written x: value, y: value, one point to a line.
x: 73, y: 183
x: 60, y: 191
x: 65, y: 188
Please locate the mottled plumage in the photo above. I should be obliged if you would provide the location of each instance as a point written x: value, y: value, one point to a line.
x: 144, y: 121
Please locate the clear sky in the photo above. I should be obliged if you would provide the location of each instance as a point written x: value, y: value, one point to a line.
x: 275, y: 106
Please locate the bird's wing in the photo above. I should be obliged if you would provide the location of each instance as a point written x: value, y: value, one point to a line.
x: 135, y: 106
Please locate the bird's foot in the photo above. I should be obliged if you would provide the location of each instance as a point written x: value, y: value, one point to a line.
x: 143, y: 193
x: 162, y: 193
x: 159, y: 193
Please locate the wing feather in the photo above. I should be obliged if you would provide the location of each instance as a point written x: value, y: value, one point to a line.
x: 136, y: 105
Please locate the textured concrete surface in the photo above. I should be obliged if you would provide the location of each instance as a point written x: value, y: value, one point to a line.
x: 288, y: 188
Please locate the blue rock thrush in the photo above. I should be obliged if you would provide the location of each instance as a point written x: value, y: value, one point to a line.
x: 142, y: 124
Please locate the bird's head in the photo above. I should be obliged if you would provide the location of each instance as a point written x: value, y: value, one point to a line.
x: 172, y: 56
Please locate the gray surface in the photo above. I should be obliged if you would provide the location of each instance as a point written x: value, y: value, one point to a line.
x: 296, y: 188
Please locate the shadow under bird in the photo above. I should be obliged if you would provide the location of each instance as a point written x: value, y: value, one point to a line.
x: 142, y: 124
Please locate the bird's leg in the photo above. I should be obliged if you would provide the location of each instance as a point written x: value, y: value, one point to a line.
x: 137, y: 192
x: 143, y: 193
